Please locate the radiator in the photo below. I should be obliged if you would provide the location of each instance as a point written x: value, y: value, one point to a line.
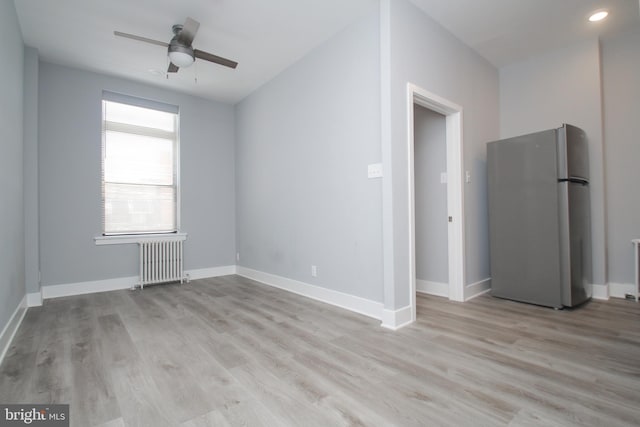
x: 160, y: 262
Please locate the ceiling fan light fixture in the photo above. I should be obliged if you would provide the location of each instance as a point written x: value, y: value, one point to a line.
x: 598, y: 15
x: 182, y: 56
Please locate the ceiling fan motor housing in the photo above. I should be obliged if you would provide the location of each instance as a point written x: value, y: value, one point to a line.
x: 180, y: 54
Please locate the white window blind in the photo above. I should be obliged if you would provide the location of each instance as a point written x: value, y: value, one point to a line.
x: 139, y: 166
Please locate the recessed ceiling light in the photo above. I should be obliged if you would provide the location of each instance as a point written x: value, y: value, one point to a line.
x: 598, y: 15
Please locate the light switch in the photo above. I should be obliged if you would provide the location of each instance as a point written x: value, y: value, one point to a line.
x: 467, y: 177
x: 375, y: 170
x: 443, y: 177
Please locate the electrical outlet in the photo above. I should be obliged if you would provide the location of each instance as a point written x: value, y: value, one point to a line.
x: 374, y: 170
x: 314, y: 271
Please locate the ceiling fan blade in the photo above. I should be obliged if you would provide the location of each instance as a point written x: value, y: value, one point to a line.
x: 140, y: 38
x: 214, y: 58
x: 189, y: 30
x: 173, y: 68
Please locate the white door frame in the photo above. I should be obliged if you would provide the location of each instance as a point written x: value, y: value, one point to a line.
x: 455, y: 190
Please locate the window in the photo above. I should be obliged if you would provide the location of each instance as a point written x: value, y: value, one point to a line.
x: 139, y: 166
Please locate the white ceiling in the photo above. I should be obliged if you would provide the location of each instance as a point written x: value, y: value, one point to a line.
x: 507, y: 31
x: 265, y: 37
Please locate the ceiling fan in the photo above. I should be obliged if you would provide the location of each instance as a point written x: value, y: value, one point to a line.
x: 181, y: 53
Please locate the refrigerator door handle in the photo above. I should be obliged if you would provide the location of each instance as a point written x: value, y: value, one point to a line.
x: 580, y: 181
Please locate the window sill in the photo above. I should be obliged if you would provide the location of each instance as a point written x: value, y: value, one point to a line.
x: 138, y: 238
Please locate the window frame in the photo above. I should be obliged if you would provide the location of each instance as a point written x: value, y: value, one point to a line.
x: 126, y: 236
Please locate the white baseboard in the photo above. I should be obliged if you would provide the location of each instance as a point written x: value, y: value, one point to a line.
x: 80, y: 288
x: 34, y: 299
x: 612, y: 290
x: 432, y: 288
x: 390, y: 319
x: 11, y: 327
x: 476, y: 289
x: 350, y: 302
x: 204, y: 273
x: 396, y: 319
x: 600, y: 292
x: 442, y: 289
x: 619, y: 290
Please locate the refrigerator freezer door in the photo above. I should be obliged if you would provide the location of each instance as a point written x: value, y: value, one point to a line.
x: 523, y: 220
x: 576, y: 247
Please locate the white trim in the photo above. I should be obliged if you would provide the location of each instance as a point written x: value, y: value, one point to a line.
x: 329, y: 296
x: 600, y: 292
x: 122, y: 239
x: 619, y: 290
x: 10, y: 329
x: 34, y: 299
x: 80, y: 288
x: 396, y: 319
x: 455, y: 190
x: 205, y: 273
x: 432, y: 288
x: 476, y: 289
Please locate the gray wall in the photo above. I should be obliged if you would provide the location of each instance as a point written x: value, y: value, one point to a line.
x: 12, y: 288
x: 70, y: 168
x: 31, y: 210
x: 430, y: 154
x: 424, y: 53
x: 621, y: 93
x: 562, y: 86
x: 304, y: 141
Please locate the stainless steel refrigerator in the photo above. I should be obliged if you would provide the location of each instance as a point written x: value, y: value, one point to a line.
x: 539, y: 217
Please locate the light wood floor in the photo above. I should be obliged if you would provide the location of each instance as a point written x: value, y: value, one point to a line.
x: 228, y: 351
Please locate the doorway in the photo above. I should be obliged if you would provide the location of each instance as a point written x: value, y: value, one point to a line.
x: 452, y: 113
x: 430, y: 195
